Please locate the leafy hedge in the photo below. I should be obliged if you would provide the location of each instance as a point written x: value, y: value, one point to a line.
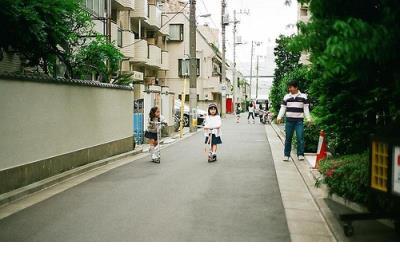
x: 355, y: 65
x: 348, y: 176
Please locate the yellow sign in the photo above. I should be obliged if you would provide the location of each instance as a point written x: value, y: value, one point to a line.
x: 380, y: 166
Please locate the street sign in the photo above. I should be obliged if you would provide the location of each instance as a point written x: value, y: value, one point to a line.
x: 396, y: 170
x: 223, y: 89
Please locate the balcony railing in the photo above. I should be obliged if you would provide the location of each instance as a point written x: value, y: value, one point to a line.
x: 154, y: 56
x: 154, y: 16
x: 128, y: 44
x: 164, y: 60
x: 125, y: 4
x: 141, y: 9
x: 115, y: 33
x: 141, y: 51
x: 164, y: 28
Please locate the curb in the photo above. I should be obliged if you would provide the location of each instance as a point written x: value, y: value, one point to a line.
x: 7, y: 198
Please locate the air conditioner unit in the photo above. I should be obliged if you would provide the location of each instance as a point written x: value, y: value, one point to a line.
x: 239, y: 40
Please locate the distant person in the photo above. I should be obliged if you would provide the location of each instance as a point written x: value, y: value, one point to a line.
x: 251, y: 113
x: 238, y: 111
x: 296, y: 106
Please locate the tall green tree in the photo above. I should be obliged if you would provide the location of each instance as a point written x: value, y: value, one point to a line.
x: 42, y: 31
x: 354, y: 48
x: 286, y: 61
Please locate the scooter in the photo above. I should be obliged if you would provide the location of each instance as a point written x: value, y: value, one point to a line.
x: 211, y: 157
x: 263, y: 117
x: 157, y: 149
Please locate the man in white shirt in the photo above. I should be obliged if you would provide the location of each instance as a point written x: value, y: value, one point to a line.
x: 296, y: 106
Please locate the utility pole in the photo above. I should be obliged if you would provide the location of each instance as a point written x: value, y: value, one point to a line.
x: 193, y: 68
x: 108, y: 21
x: 235, y: 22
x: 257, y: 76
x: 223, y: 68
x: 256, y: 43
x: 251, y: 67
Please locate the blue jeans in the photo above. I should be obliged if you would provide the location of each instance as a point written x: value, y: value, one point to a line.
x: 290, y: 127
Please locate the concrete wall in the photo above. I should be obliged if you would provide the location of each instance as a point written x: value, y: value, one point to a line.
x: 44, y: 120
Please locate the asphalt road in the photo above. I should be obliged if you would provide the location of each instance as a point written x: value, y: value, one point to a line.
x: 182, y: 199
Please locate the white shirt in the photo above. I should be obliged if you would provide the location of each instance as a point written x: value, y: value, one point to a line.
x: 295, y: 101
x: 251, y: 109
x: 213, y: 122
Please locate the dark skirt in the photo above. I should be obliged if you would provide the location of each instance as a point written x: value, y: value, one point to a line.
x: 215, y: 140
x: 151, y: 135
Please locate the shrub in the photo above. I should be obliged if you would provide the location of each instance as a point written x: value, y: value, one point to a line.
x: 348, y: 177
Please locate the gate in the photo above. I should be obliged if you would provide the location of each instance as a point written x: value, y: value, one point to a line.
x: 138, y: 121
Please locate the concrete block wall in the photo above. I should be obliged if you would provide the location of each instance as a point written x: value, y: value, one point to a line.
x: 47, y: 127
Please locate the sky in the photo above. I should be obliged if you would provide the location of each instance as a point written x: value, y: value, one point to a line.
x: 267, y: 19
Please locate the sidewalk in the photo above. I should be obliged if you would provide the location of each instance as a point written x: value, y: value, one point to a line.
x: 305, y: 220
x: 331, y: 206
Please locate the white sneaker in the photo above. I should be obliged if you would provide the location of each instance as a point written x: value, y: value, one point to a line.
x: 286, y: 158
x: 301, y: 157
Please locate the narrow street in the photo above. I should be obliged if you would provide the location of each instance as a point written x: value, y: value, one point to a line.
x: 182, y: 199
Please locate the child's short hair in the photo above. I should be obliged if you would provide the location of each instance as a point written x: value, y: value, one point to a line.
x: 212, y: 106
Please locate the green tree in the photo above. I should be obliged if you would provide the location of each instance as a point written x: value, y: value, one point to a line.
x: 286, y: 61
x: 42, y: 31
x: 97, y: 58
x: 355, y: 68
x: 301, y: 74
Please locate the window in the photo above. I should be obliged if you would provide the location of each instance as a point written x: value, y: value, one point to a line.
x: 96, y: 6
x: 184, y: 67
x: 176, y: 32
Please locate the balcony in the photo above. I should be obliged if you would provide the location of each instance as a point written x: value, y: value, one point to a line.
x: 125, y: 4
x: 154, y: 16
x: 154, y: 56
x: 128, y: 47
x: 141, y: 51
x: 141, y: 9
x: 164, y: 28
x: 164, y: 60
x: 116, y: 34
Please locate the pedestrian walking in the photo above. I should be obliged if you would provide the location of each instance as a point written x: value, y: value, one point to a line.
x: 152, y: 133
x: 238, y: 111
x: 251, y: 113
x: 296, y: 106
x: 212, y: 131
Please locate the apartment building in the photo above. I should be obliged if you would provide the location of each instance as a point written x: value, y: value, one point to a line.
x: 209, y: 60
x: 139, y: 29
